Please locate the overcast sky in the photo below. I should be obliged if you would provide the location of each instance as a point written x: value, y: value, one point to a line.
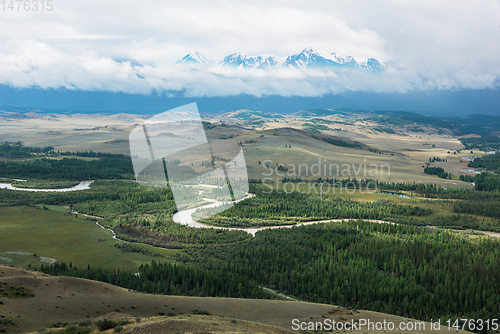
x: 130, y: 46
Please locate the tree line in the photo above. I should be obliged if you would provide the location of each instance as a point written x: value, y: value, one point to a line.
x: 281, y: 208
x: 439, y: 171
x: 167, y: 279
x: 396, y: 269
x: 402, y: 270
x: 69, y: 168
x: 20, y: 151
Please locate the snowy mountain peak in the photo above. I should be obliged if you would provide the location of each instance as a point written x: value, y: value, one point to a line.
x: 309, y: 58
x: 345, y: 60
x: 306, y: 59
x: 373, y: 64
x: 309, y: 51
x: 239, y: 60
x: 196, y: 58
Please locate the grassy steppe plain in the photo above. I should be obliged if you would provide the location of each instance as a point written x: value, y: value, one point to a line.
x: 56, y: 235
x: 404, y: 151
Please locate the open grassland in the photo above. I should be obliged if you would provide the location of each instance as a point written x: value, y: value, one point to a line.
x: 65, y: 301
x: 56, y: 235
x: 76, y: 132
x: 405, y: 152
x: 393, y: 164
x: 335, y: 161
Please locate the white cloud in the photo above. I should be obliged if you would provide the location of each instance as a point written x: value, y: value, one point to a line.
x: 130, y: 46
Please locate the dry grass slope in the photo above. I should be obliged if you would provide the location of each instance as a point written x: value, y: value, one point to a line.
x: 72, y: 300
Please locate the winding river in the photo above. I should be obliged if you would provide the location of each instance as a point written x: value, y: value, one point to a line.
x: 82, y: 186
x: 184, y: 217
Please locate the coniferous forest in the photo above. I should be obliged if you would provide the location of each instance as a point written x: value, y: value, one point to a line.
x: 400, y: 267
x: 403, y: 270
x: 280, y: 208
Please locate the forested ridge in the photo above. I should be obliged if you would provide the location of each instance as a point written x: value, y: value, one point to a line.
x: 403, y: 270
x: 168, y: 279
x: 394, y: 269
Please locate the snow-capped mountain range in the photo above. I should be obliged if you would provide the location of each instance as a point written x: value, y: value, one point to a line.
x: 306, y: 59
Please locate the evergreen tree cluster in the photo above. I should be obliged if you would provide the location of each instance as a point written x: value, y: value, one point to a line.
x: 488, y: 162
x: 439, y: 171
x: 487, y: 182
x: 167, y: 279
x: 19, y: 151
x: 69, y: 168
x: 489, y: 208
x: 457, y: 221
x: 336, y: 142
x: 161, y: 231
x: 485, y: 142
x: 438, y: 159
x: 396, y: 269
x: 402, y: 270
x: 281, y: 208
x: 466, y: 178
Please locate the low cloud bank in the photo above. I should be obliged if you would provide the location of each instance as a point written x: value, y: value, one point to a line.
x: 29, y: 63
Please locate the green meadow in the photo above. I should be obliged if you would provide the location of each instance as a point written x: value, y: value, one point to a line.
x: 29, y: 235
